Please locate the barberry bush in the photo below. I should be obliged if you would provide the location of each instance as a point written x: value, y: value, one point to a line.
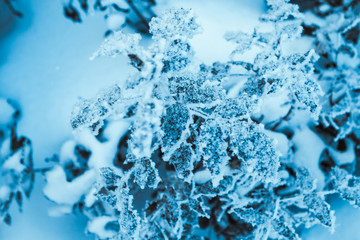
x: 187, y: 150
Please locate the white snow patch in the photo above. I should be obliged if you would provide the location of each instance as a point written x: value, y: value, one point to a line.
x: 275, y: 106
x: 102, y: 154
x: 59, y: 210
x: 115, y: 21
x: 281, y: 141
x: 67, y: 152
x: 344, y: 157
x: 308, y: 150
x: 90, y: 198
x: 61, y: 191
x: 202, y: 177
x: 97, y: 226
x: 14, y: 162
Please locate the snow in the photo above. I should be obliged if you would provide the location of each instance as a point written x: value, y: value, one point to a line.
x: 281, y: 142
x: 4, y: 148
x: 33, y: 222
x: 275, y: 106
x: 60, y: 210
x: 216, y: 19
x: 4, y: 192
x: 67, y: 152
x: 45, y: 67
x: 308, y: 150
x: 102, y: 154
x: 344, y: 157
x: 14, y: 162
x: 202, y: 177
x: 114, y: 21
x: 347, y: 224
x: 97, y: 226
x: 49, y: 68
x: 90, y: 198
x: 71, y: 192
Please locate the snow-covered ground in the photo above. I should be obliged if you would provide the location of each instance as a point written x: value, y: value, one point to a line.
x: 45, y: 67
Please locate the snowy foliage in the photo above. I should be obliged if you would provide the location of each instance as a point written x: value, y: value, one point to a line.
x: 347, y: 185
x: 174, y: 154
x: 262, y: 145
x: 337, y: 43
x: 16, y: 167
x: 273, y: 69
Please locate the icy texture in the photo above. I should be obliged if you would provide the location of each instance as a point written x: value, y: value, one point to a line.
x: 337, y: 43
x: 273, y: 69
x: 192, y: 155
x: 347, y: 185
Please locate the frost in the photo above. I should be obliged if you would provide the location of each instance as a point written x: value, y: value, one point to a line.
x: 213, y: 149
x: 347, y: 186
x: 173, y: 124
x: 273, y: 69
x: 146, y: 173
x: 195, y: 154
x: 92, y: 112
x: 175, y: 23
x: 256, y: 149
x: 281, y: 10
x: 118, y: 43
x: 336, y: 41
x: 101, y: 227
x: 321, y: 209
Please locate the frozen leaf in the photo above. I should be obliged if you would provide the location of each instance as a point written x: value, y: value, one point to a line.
x: 146, y: 174
x: 347, y: 186
x: 174, y: 23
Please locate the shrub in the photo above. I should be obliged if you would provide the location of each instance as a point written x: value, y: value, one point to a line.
x: 16, y: 166
x: 180, y: 152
